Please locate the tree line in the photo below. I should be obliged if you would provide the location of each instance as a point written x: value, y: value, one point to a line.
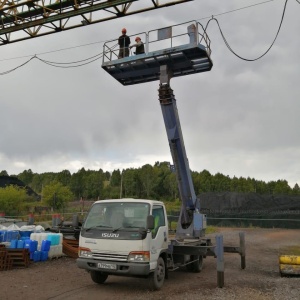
x: 156, y: 181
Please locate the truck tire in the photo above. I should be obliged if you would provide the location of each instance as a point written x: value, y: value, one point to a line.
x: 157, y: 278
x: 197, y: 265
x: 98, y: 277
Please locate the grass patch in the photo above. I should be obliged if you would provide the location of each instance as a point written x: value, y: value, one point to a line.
x: 290, y: 250
x: 211, y: 229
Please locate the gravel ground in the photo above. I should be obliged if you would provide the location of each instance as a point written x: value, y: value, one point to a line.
x: 61, y: 279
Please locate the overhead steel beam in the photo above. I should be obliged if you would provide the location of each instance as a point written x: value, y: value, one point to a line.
x: 21, y: 20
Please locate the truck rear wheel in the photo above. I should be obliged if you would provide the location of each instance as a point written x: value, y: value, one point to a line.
x: 98, y: 277
x: 196, y: 265
x: 157, y: 278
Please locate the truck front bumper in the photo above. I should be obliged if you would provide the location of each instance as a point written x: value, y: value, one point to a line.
x: 122, y: 268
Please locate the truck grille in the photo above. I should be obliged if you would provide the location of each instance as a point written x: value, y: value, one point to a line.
x: 110, y: 256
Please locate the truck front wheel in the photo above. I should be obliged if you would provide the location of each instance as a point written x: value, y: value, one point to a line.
x: 98, y: 277
x: 157, y: 278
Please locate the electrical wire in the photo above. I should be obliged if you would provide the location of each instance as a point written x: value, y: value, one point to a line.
x: 11, y: 70
x: 78, y: 63
x: 234, y: 10
x: 53, y: 51
x: 246, y: 59
x: 97, y: 56
x: 65, y: 67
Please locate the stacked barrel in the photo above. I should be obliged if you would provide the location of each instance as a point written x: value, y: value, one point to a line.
x: 289, y: 265
x: 49, y: 242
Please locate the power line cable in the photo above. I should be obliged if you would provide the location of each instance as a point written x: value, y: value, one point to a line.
x: 65, y: 67
x: 232, y: 51
x: 53, y: 51
x: 234, y: 10
x: 74, y: 62
x: 56, y: 64
x: 9, y: 71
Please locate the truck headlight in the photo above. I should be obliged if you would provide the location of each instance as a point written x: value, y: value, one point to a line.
x: 139, y: 256
x: 84, y: 252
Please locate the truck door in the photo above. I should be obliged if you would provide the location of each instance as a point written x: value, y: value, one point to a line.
x: 160, y: 231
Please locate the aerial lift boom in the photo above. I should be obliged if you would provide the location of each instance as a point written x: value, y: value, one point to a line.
x: 163, y: 65
x: 191, y: 222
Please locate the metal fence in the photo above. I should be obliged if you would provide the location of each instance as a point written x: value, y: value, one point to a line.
x: 159, y: 39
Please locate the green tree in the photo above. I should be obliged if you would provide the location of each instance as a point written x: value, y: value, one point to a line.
x: 115, y: 179
x: 37, y: 183
x: 282, y: 188
x: 56, y: 195
x: 93, y: 187
x: 64, y: 177
x: 170, y: 184
x: 77, y: 183
x: 129, y: 183
x: 162, y: 186
x: 106, y: 174
x: 146, y: 176
x: 26, y: 176
x: 203, y: 182
x: 3, y: 173
x: 296, y: 189
x: 12, y: 199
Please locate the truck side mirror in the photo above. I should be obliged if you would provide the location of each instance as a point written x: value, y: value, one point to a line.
x: 150, y: 222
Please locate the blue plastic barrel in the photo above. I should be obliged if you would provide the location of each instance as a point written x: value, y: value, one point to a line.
x: 45, y: 245
x: 44, y: 255
x: 12, y: 235
x: 25, y: 233
x: 37, y: 256
x: 20, y: 244
x: 3, y: 236
x: 13, y: 244
x: 31, y: 245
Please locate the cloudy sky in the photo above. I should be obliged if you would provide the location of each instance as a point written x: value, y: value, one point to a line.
x: 240, y: 119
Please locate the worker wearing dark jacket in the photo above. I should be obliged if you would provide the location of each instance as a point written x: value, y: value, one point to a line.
x: 124, y: 42
x: 139, y: 46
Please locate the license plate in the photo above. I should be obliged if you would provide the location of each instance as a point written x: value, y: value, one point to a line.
x: 107, y: 266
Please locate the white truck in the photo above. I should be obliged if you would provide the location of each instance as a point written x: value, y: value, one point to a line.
x: 129, y: 237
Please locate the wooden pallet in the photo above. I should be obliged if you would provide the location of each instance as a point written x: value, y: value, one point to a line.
x: 19, y: 257
x: 5, y: 260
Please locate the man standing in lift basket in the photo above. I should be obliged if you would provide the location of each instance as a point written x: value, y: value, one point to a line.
x: 124, y: 42
x: 139, y: 46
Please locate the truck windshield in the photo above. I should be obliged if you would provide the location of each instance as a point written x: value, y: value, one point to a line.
x: 117, y: 215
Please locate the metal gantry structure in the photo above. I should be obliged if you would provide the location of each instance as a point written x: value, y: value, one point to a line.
x: 25, y: 19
